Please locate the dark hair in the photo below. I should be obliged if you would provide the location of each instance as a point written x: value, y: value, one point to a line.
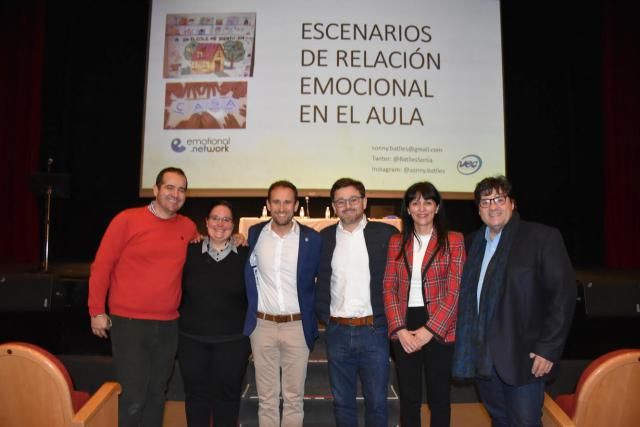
x: 499, y: 183
x: 347, y: 182
x: 427, y: 191
x: 285, y: 184
x: 172, y: 169
x: 220, y: 202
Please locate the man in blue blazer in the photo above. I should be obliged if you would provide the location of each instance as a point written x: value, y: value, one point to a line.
x: 280, y: 280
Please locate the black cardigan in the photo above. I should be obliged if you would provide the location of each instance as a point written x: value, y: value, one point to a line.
x: 214, y: 299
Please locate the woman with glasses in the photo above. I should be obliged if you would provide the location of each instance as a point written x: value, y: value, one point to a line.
x: 421, y: 282
x: 213, y: 353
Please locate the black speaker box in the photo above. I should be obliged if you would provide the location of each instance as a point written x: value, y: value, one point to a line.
x: 611, y: 299
x: 25, y: 292
x: 32, y: 293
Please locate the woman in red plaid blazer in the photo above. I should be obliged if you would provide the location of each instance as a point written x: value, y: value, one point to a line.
x: 421, y: 283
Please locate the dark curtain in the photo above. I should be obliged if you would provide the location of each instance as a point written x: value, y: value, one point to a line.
x: 21, y: 50
x: 590, y: 197
x: 621, y: 75
x: 552, y: 59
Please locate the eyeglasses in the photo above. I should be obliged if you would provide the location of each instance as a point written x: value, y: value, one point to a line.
x: 498, y: 200
x: 224, y: 219
x: 341, y: 203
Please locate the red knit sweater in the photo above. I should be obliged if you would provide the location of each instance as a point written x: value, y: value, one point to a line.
x: 139, y: 263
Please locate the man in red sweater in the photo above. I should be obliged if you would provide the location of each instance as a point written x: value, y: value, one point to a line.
x: 138, y: 268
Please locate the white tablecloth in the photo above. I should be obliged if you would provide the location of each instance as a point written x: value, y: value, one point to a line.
x: 315, y: 223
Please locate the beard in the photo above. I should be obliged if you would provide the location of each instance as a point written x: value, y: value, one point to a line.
x: 282, y: 219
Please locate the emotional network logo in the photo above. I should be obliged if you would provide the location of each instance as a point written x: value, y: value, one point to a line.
x: 469, y: 164
x: 176, y: 145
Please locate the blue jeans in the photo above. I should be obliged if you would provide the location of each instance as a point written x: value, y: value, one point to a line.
x: 352, y: 352
x: 510, y: 405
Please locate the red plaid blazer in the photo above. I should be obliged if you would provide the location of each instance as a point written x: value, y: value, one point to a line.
x: 441, y: 285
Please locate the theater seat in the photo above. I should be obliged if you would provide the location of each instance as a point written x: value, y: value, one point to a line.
x: 608, y: 392
x: 36, y: 390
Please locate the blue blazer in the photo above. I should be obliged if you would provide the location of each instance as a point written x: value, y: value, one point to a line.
x: 307, y: 269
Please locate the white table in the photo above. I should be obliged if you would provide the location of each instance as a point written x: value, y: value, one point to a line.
x: 315, y: 223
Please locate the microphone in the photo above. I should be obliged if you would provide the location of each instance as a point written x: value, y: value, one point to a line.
x: 306, y: 199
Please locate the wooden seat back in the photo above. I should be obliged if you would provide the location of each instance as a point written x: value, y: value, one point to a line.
x: 608, y: 393
x: 35, y: 389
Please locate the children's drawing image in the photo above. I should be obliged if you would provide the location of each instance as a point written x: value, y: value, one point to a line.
x: 205, y: 105
x: 220, y: 45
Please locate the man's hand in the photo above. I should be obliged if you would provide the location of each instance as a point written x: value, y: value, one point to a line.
x: 100, y: 324
x: 239, y: 240
x: 541, y: 366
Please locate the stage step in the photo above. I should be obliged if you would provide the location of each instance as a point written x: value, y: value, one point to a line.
x: 462, y: 415
x: 318, y: 402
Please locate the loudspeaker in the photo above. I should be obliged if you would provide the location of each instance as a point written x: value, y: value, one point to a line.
x: 611, y: 299
x: 38, y: 293
x: 25, y: 292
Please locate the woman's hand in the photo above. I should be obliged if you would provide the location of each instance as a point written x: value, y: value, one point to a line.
x: 421, y: 336
x: 407, y: 341
x: 197, y: 239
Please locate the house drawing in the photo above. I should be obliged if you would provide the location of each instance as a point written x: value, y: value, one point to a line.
x: 196, y: 44
x: 207, y: 58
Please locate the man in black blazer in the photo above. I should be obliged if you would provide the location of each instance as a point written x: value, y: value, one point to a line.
x: 517, y: 299
x: 349, y: 303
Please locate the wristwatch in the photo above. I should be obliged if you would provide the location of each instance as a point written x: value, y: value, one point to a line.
x: 109, y: 323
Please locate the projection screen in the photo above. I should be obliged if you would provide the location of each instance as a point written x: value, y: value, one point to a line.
x: 242, y: 93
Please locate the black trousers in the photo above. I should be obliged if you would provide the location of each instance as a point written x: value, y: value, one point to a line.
x: 212, y: 374
x: 434, y: 359
x: 144, y: 353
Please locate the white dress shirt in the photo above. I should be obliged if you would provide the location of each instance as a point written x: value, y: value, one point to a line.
x: 419, y: 250
x: 350, y: 275
x: 276, y: 278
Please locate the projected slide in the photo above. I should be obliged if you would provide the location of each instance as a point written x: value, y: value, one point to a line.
x: 242, y: 93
